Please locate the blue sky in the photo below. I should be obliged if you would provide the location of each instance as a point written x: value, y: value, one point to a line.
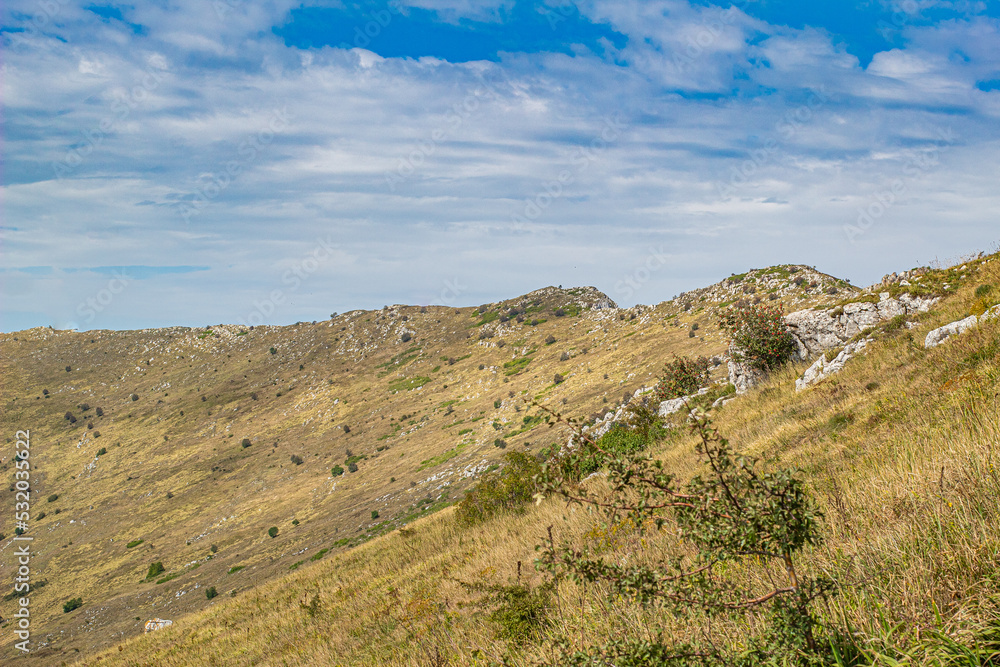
x: 192, y: 163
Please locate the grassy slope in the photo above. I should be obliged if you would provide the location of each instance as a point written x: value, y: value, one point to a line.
x: 176, y: 476
x: 900, y: 450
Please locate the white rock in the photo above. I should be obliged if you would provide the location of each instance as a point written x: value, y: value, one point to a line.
x: 991, y: 314
x: 823, y: 369
x: 941, y: 334
x: 672, y: 406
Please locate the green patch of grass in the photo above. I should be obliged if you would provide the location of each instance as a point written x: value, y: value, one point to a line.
x: 443, y: 458
x: 464, y: 431
x: 435, y: 369
x: 169, y: 577
x: 236, y: 568
x: 355, y: 459
x: 396, y: 428
x: 486, y: 318
x: 408, y: 384
x: 134, y: 543
x: 319, y: 554
x: 295, y: 565
x: 515, y: 366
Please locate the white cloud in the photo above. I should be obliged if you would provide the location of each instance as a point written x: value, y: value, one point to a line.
x: 418, y: 169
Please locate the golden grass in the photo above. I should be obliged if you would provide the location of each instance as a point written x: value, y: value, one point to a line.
x: 900, y: 450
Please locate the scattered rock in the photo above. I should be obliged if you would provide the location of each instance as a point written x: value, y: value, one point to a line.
x: 157, y: 624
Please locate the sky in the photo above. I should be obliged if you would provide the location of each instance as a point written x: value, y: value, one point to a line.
x: 196, y: 162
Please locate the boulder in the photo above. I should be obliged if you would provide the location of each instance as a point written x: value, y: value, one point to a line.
x: 991, y: 314
x: 941, y: 334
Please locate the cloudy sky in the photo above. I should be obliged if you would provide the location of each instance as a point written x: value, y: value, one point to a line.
x: 203, y: 161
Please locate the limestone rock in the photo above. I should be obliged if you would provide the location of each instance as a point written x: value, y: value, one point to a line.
x: 823, y: 369
x: 157, y: 624
x: 816, y: 331
x: 941, y: 334
x: 743, y: 376
x: 991, y: 314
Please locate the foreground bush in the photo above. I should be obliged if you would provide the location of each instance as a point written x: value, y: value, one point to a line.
x: 735, y: 519
x: 508, y: 489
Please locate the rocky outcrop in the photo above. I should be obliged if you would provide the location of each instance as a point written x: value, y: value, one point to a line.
x: 816, y: 331
x: 823, y: 369
x: 675, y: 404
x: 742, y: 375
x: 941, y: 334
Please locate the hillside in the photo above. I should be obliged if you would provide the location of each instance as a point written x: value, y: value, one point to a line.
x: 214, y: 435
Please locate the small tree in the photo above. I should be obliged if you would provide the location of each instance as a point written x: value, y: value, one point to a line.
x: 272, y: 531
x: 155, y: 569
x: 210, y: 592
x: 682, y: 376
x: 735, y: 519
x: 757, y: 335
x: 336, y: 471
x: 70, y: 605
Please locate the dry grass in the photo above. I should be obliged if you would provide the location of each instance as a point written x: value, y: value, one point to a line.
x: 900, y: 449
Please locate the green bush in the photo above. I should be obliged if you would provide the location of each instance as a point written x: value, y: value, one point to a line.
x: 374, y: 514
x: 508, y: 489
x: 155, y: 569
x: 134, y: 543
x: 739, y: 524
x: 72, y: 604
x: 352, y: 467
x: 758, y: 335
x: 682, y: 376
x: 297, y: 460
x: 210, y: 592
x: 102, y: 451
x: 337, y: 471
x: 272, y: 531
x: 983, y: 290
x: 245, y: 443
x: 54, y: 497
x: 518, y: 612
